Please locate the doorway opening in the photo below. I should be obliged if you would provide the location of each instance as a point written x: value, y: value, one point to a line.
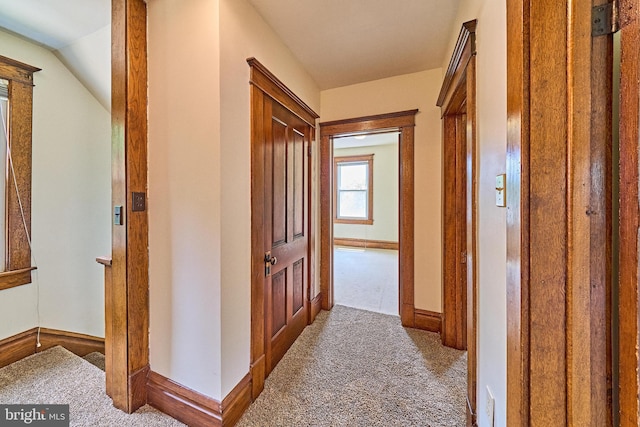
x: 402, y: 123
x: 365, y: 221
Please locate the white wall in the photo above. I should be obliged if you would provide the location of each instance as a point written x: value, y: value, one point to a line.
x: 492, y: 142
x: 71, y: 192
x: 385, y: 194
x: 406, y: 92
x: 89, y: 59
x: 200, y: 184
x: 184, y: 192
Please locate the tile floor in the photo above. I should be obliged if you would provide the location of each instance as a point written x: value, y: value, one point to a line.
x: 366, y: 279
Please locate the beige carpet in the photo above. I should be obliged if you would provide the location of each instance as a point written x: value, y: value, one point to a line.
x: 359, y: 368
x: 366, y: 279
x: 57, y: 376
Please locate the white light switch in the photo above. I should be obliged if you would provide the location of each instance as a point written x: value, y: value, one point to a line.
x: 501, y: 190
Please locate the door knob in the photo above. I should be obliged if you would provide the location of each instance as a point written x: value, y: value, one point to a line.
x: 273, y: 260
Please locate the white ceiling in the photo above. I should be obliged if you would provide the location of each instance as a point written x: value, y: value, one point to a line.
x: 77, y: 31
x: 339, y: 42
x: 342, y: 42
x: 54, y: 23
x: 368, y: 140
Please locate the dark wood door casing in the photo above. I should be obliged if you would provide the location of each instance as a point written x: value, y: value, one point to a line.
x: 629, y: 299
x: 279, y: 121
x: 404, y: 122
x: 559, y: 216
x: 459, y: 207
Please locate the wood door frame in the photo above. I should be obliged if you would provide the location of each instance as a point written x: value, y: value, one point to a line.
x: 459, y: 295
x: 404, y: 122
x: 266, y: 84
x: 559, y: 215
x: 629, y: 300
x: 128, y: 310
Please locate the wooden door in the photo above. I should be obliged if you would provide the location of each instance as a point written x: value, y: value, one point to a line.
x: 285, y: 229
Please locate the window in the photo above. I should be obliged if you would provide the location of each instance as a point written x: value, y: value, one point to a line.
x: 16, y: 94
x: 353, y: 189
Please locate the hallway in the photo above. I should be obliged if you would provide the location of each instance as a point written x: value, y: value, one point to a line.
x: 358, y: 368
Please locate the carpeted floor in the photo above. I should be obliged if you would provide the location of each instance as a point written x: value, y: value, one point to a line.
x: 57, y: 376
x: 350, y: 368
x: 366, y: 279
x: 358, y: 368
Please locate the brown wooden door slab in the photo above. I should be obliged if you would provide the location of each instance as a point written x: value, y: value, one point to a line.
x: 285, y: 224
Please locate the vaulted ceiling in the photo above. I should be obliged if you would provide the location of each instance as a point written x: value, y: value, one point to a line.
x: 343, y: 42
x: 339, y: 42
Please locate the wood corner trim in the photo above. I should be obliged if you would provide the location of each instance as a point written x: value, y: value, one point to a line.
x: 316, y: 306
x: 194, y: 408
x: 236, y: 402
x: 428, y: 320
x: 466, y: 39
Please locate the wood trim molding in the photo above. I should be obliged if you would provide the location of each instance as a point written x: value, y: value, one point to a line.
x: 629, y: 288
x: 459, y: 207
x: 465, y: 48
x: 18, y: 347
x: 368, y: 159
x: 316, y: 306
x: 130, y: 241
x: 404, y: 122
x: 18, y: 210
x: 268, y: 83
x: 364, y: 243
x: 428, y: 320
x: 196, y: 409
x: 369, y: 124
x: 23, y: 344
x: 558, y: 219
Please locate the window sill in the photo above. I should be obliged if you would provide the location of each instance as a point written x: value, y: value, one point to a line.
x: 353, y: 221
x: 11, y: 279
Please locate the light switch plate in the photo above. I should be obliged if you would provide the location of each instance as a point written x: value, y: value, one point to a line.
x: 501, y: 190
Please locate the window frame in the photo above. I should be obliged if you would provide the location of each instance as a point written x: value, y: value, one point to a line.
x: 17, y: 247
x: 337, y: 161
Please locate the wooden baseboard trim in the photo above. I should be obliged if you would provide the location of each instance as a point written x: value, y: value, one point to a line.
x: 23, y: 344
x: 79, y: 344
x: 363, y: 243
x: 316, y: 306
x: 195, y: 409
x: 138, y: 388
x: 236, y: 402
x: 428, y: 320
x: 17, y: 347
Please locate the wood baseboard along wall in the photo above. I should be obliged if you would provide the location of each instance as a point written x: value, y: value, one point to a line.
x: 24, y: 344
x: 196, y: 409
x: 428, y: 320
x: 364, y: 243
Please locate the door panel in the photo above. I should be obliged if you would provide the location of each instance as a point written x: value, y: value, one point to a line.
x: 286, y: 221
